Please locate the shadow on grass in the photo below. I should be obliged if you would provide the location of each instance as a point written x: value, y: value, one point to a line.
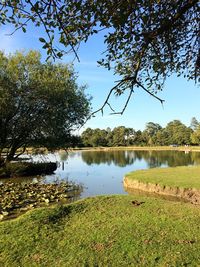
x: 63, y: 212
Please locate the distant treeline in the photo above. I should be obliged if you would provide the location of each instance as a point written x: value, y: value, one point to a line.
x: 175, y: 133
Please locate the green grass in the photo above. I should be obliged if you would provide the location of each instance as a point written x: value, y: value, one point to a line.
x: 183, y: 177
x: 104, y: 231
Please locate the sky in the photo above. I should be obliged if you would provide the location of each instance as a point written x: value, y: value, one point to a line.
x: 182, y: 98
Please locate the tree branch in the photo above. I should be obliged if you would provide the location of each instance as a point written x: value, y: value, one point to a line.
x: 127, y: 101
x: 44, y: 24
x: 140, y: 85
x: 167, y: 24
x: 65, y: 31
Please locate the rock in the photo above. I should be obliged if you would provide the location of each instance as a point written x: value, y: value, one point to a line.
x: 24, y: 209
x: 46, y: 200
x: 5, y: 213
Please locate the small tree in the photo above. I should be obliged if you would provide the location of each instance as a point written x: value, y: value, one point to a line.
x: 40, y: 104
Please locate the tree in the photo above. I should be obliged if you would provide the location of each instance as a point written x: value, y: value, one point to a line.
x: 150, y: 132
x: 195, y: 136
x: 98, y: 137
x: 152, y: 128
x: 177, y: 133
x: 86, y: 137
x: 40, y: 104
x: 119, y: 136
x: 194, y: 124
x: 146, y: 41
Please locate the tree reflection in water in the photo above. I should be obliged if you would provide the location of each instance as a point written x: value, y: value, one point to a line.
x: 153, y: 159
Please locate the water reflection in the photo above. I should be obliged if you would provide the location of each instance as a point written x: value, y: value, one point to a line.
x: 102, y: 172
x: 152, y: 158
x: 117, y: 157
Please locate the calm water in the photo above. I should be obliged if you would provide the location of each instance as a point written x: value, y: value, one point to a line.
x: 102, y: 172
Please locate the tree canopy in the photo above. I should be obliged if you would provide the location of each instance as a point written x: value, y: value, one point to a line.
x: 146, y: 41
x: 40, y: 104
x: 175, y: 134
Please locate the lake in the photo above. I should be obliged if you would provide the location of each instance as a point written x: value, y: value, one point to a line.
x: 102, y: 172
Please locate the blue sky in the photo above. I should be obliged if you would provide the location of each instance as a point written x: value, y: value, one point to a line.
x: 181, y: 97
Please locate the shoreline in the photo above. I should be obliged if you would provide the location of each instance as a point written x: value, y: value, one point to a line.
x: 138, y: 148
x: 181, y: 182
x: 191, y: 195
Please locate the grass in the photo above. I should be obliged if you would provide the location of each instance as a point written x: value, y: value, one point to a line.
x: 183, y: 177
x: 104, y: 231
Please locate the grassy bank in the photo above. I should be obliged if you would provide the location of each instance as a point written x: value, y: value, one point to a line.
x: 104, y: 231
x: 183, y: 177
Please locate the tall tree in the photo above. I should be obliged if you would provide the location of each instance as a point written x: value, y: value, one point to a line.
x: 194, y: 124
x: 146, y: 41
x: 119, y: 136
x: 150, y: 132
x: 86, y: 137
x: 195, y: 136
x: 177, y: 133
x: 40, y: 104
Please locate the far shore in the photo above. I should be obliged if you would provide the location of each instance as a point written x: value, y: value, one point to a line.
x: 43, y: 150
x: 142, y: 148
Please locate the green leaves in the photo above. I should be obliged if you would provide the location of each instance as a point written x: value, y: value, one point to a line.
x: 147, y: 41
x: 42, y: 40
x: 40, y: 104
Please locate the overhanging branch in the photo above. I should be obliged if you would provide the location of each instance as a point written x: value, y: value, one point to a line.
x: 123, y: 82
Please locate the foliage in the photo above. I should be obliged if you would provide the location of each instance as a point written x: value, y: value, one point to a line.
x: 195, y: 137
x: 119, y: 136
x: 194, y: 124
x: 104, y: 231
x: 40, y: 104
x: 175, y: 133
x: 146, y: 41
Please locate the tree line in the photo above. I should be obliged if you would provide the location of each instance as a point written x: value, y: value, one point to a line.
x: 175, y: 133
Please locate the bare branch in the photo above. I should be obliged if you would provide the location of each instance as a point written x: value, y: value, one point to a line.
x: 140, y: 85
x: 106, y: 101
x: 127, y: 101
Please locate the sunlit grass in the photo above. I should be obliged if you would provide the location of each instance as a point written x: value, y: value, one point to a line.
x: 184, y: 176
x: 104, y: 231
